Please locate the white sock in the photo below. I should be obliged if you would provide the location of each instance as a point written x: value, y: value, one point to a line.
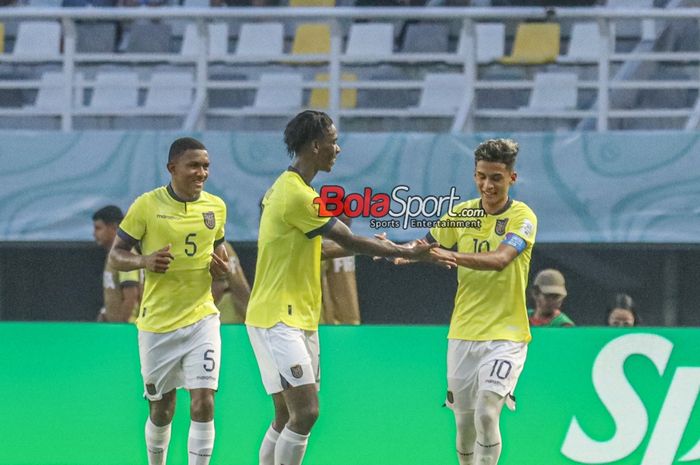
x: 157, y: 440
x: 267, y: 448
x: 200, y: 442
x: 487, y: 454
x: 290, y: 447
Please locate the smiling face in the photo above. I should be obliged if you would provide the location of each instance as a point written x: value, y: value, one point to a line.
x: 189, y: 172
x: 326, y: 149
x: 493, y: 180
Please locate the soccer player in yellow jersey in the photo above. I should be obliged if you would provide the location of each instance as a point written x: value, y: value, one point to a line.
x: 489, y: 329
x: 285, y: 303
x: 121, y: 289
x: 181, y: 231
x: 231, y: 292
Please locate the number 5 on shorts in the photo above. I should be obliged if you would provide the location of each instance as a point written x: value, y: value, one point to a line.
x: 209, y: 363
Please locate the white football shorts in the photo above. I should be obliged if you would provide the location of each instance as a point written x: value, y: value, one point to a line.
x: 287, y: 357
x: 474, y: 366
x: 187, y: 357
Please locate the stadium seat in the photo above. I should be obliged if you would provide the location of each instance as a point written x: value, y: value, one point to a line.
x: 45, y: 3
x: 115, y: 90
x: 96, y: 37
x: 426, y: 38
x: 261, y: 39
x: 554, y: 91
x: 319, y: 98
x: 312, y: 38
x: 490, y: 42
x: 279, y: 91
x: 442, y: 91
x: 218, y: 40
x: 584, y: 44
x: 50, y: 95
x: 370, y: 39
x: 535, y: 43
x: 2, y: 38
x: 196, y: 3
x: 170, y: 90
x: 38, y: 38
x: 149, y: 37
x: 312, y: 3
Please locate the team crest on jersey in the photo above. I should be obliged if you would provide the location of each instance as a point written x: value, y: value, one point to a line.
x: 501, y: 226
x: 297, y: 371
x: 209, y: 219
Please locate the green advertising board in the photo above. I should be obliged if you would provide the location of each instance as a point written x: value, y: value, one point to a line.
x: 71, y: 395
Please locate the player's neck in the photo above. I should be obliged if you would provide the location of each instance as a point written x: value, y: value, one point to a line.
x: 496, y: 207
x: 304, y: 168
x: 180, y: 195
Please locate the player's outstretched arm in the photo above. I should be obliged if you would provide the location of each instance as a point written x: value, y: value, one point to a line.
x: 331, y: 250
x: 123, y: 259
x: 373, y: 246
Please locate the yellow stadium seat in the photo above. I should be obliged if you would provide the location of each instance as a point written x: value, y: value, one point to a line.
x: 312, y: 38
x: 320, y: 97
x: 311, y: 2
x: 534, y: 44
x: 2, y: 38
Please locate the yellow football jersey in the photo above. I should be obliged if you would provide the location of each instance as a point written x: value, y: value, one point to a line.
x: 490, y: 305
x: 287, y: 285
x: 182, y: 295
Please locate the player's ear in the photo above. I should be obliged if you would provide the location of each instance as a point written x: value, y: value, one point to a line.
x: 513, y: 177
x: 315, y: 145
x: 171, y: 167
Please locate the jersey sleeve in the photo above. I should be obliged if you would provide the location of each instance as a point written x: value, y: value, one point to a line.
x: 302, y: 213
x: 446, y: 237
x: 129, y: 278
x: 521, y: 232
x: 221, y: 231
x: 133, y: 226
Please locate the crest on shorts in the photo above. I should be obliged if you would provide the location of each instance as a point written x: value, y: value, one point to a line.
x: 450, y: 397
x: 501, y: 226
x: 209, y: 219
x: 151, y: 389
x: 297, y: 371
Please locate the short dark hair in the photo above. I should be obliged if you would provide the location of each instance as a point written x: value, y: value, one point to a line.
x: 182, y: 145
x: 111, y: 214
x: 305, y: 127
x: 497, y: 150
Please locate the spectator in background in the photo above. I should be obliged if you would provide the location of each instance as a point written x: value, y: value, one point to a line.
x: 231, y: 292
x: 121, y: 289
x: 339, y: 288
x: 621, y: 312
x: 549, y: 292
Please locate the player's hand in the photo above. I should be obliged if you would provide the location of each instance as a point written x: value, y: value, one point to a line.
x: 394, y: 260
x: 159, y: 261
x: 432, y: 253
x: 219, y: 268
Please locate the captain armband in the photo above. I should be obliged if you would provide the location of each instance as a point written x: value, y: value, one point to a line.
x: 515, y: 241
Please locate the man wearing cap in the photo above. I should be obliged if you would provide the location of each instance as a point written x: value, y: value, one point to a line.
x: 549, y: 292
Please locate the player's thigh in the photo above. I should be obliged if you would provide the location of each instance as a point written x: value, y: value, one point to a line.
x: 283, y: 357
x: 202, y: 360
x: 160, y: 355
x: 462, y: 375
x: 501, y: 367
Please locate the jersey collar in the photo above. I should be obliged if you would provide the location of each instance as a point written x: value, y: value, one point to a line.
x: 502, y: 210
x: 294, y: 170
x: 172, y: 193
